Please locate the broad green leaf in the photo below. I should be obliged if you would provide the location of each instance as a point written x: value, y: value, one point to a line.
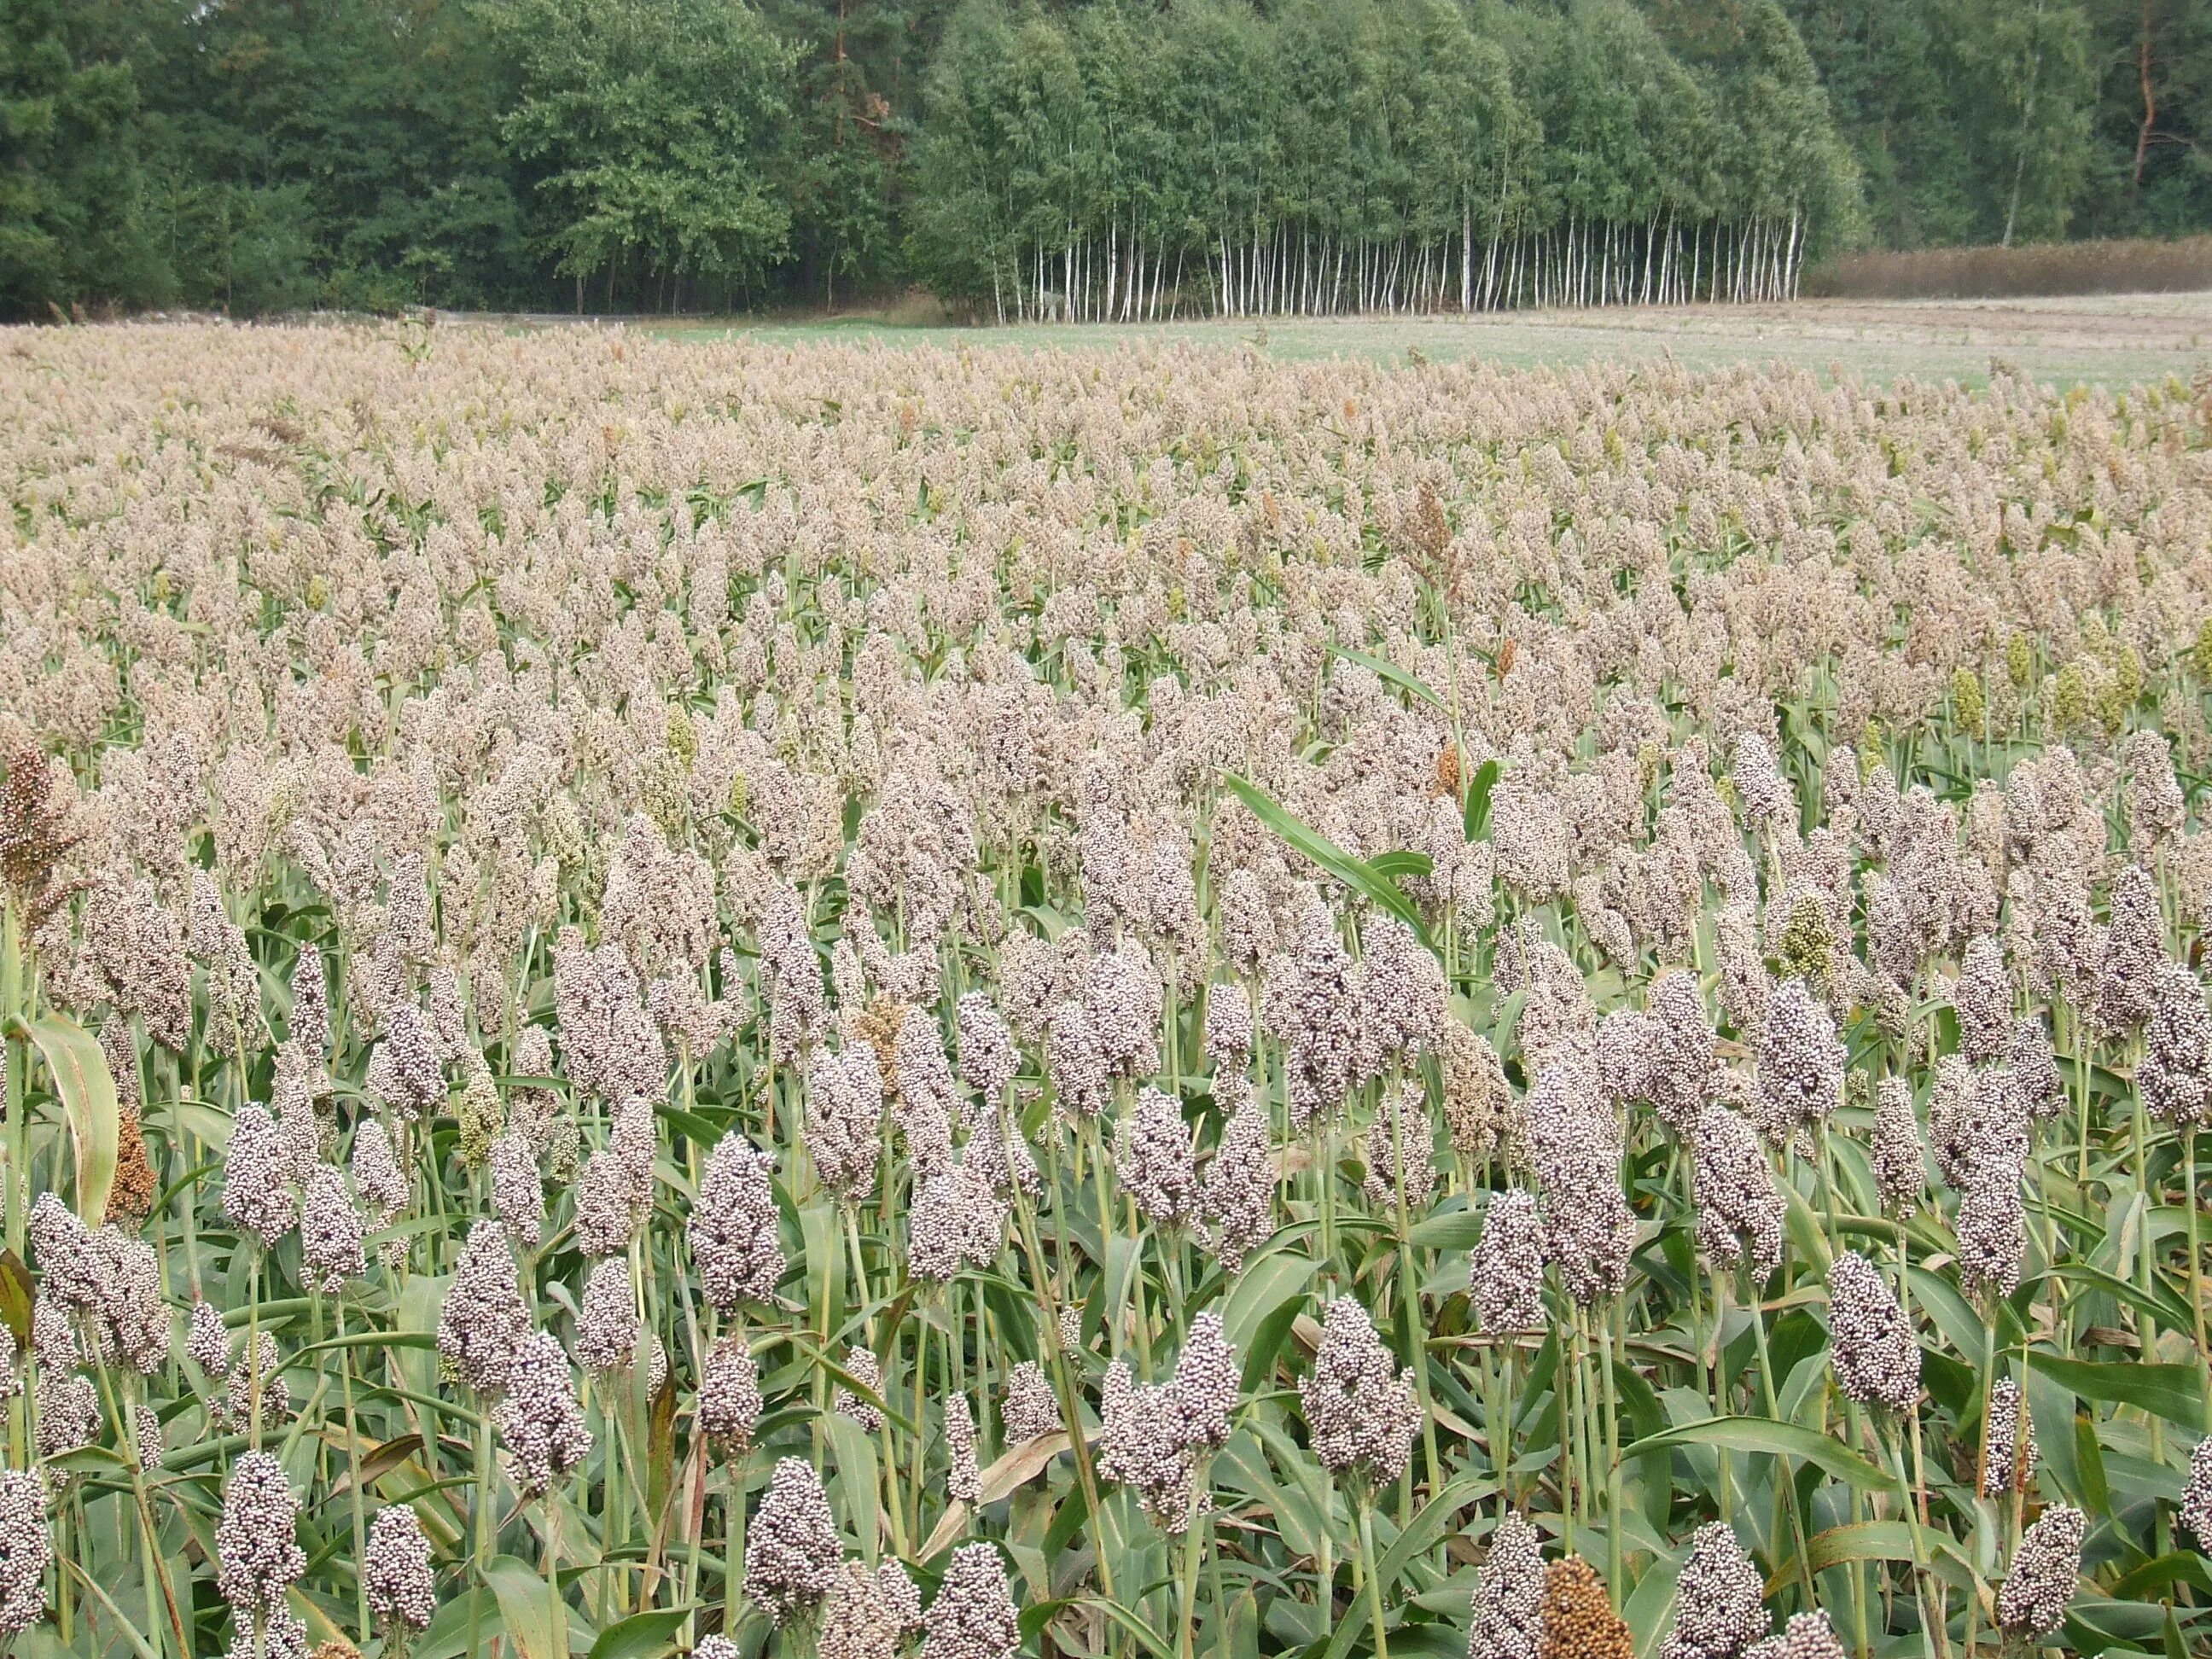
x: 1355, y: 873
x: 1873, y: 1540
x: 86, y: 1090
x: 15, y: 1297
x: 853, y: 1474
x: 640, y: 1635
x: 1760, y: 1434
x: 1277, y: 1280
x: 2175, y: 1393
x: 1475, y: 821
x: 1420, y: 1534
x: 2158, y: 1302
x: 1395, y: 864
x: 2180, y: 1567
x: 525, y: 1608
x: 1390, y: 671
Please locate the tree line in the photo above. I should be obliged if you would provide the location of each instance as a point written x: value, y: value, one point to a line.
x: 1091, y: 159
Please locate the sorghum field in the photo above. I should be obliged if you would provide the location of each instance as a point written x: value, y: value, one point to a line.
x: 666, y: 996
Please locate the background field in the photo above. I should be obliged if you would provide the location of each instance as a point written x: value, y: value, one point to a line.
x: 2107, y: 340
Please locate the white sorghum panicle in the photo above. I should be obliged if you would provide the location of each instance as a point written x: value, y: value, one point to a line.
x: 403, y: 1071
x: 856, y: 1621
x: 207, y: 1340
x: 844, y: 1118
x: 1031, y: 1409
x: 258, y: 1369
x: 2175, y: 1077
x: 964, y: 1479
x: 483, y: 1322
x: 538, y: 1417
x: 1682, y: 1057
x: 310, y: 1026
x: 606, y: 1318
x: 1207, y: 1382
x: 1154, y: 1160
x: 1807, y: 1636
x: 1590, y: 1232
x: 395, y: 1569
x: 67, y: 1404
x: 987, y: 1061
x: 1397, y: 986
x: 2045, y: 1569
x: 2132, y: 948
x: 2155, y: 806
x: 260, y: 1557
x: 860, y: 1360
x: 1400, y: 1153
x: 1154, y: 1438
x: 1876, y: 1358
x: 137, y: 1320
x: 1509, y: 1594
x: 330, y: 1231
x: 1505, y: 1269
x: 2008, y: 1454
x: 957, y: 1220
x: 376, y: 1175
x: 256, y: 1194
x: 27, y: 1550
x: 733, y: 1225
x: 1228, y: 1025
x: 729, y: 1407
x: 1719, y: 1601
x: 1236, y: 1191
x: 2197, y: 1494
x: 1740, y: 1212
x: 1801, y: 1065
x: 1359, y: 1409
x: 927, y: 1098
x: 1901, y: 1172
x: 1307, y: 1007
x: 974, y: 1616
x: 517, y: 1194
x: 792, y: 1551
x: 1479, y: 1106
x: 2033, y: 1068
x: 1983, y: 1000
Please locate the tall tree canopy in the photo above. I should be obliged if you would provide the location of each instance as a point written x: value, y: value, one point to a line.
x: 1087, y: 157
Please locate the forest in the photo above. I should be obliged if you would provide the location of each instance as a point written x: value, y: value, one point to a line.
x: 1098, y: 160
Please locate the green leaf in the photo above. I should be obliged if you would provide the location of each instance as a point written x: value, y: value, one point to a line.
x: 2161, y: 1304
x: 1279, y: 1279
x: 1390, y: 671
x: 88, y: 1097
x: 1872, y: 1541
x: 15, y: 1294
x: 1761, y: 1434
x: 526, y: 1606
x: 1420, y: 1534
x: 640, y: 1635
x: 2181, y: 1567
x: 1395, y: 864
x: 1476, y: 821
x: 853, y: 1477
x: 1355, y: 873
x: 2175, y: 1393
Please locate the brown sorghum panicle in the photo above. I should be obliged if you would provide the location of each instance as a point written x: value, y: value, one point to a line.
x: 1579, y: 1622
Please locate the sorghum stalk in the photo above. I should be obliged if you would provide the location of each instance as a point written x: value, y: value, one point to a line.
x: 1368, y: 1563
x: 353, y: 1480
x: 1785, y: 1491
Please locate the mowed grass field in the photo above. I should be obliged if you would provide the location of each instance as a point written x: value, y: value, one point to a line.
x: 2104, y: 339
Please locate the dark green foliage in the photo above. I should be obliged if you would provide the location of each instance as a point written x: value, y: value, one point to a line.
x: 1050, y: 156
